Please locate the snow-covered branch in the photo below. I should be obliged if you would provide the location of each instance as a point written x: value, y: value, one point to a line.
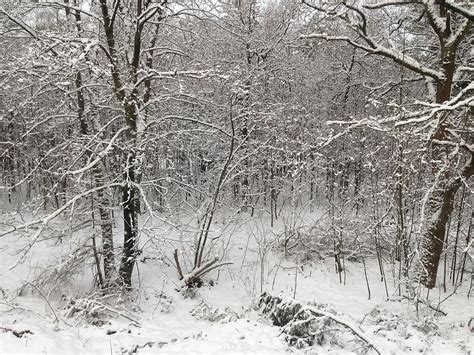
x: 101, y: 154
x: 375, y: 48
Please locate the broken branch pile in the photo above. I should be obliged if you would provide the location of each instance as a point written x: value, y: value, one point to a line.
x: 308, y: 325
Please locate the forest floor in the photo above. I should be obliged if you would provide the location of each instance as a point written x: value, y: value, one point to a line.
x: 218, y: 319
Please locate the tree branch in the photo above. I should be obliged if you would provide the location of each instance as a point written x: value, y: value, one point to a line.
x: 450, y: 4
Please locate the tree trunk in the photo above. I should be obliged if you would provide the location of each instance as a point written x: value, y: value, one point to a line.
x: 440, y: 202
x: 440, y: 207
x: 130, y: 200
x: 105, y: 215
x: 106, y: 221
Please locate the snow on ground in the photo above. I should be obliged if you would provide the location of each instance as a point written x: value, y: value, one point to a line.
x: 223, y: 318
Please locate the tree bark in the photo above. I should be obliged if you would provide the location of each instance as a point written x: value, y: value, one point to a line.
x: 130, y: 227
x: 440, y: 203
x: 130, y: 200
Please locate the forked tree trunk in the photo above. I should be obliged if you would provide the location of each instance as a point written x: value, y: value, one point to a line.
x: 130, y: 100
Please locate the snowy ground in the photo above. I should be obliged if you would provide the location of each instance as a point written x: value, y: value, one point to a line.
x: 222, y: 318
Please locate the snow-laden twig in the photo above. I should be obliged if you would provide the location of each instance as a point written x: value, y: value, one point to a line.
x: 115, y: 311
x: 427, y: 304
x: 376, y: 48
x: 381, y: 4
x: 101, y: 154
x: 44, y: 222
x: 46, y: 300
x: 20, y: 23
x: 454, y: 6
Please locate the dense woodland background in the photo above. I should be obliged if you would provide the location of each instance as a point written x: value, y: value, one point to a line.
x: 115, y: 113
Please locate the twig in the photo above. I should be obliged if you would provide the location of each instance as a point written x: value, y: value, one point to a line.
x: 419, y: 300
x: 46, y: 299
x: 116, y: 312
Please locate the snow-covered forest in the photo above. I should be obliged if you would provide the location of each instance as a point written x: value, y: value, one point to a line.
x: 236, y: 176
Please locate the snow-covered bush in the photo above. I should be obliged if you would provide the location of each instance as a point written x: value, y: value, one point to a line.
x: 205, y: 312
x: 166, y: 303
x: 58, y: 275
x: 86, y: 309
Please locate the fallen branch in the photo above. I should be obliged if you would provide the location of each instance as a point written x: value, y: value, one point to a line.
x: 135, y: 348
x: 91, y: 308
x: 117, y: 312
x: 359, y: 333
x: 307, y: 325
x: 17, y: 333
